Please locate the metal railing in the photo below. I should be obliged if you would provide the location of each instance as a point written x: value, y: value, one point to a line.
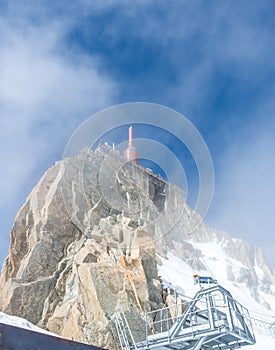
x: 211, y: 317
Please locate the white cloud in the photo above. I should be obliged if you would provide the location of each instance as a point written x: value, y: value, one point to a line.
x: 244, y: 202
x: 46, y: 91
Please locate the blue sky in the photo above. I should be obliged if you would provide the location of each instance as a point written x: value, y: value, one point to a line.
x: 213, y: 61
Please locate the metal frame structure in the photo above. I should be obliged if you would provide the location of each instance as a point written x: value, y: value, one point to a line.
x: 212, y: 320
x: 125, y: 335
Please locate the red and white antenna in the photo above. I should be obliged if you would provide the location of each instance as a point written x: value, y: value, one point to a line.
x: 131, y: 153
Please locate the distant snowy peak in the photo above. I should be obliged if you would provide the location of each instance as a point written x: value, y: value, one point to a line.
x: 240, y: 262
x: 243, y: 272
x: 237, y: 267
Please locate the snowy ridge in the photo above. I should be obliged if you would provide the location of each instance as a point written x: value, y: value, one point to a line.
x: 22, y: 323
x: 177, y: 274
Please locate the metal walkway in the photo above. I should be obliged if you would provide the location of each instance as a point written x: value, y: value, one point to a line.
x: 212, y: 320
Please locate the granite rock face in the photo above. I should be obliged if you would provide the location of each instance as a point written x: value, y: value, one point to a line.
x: 84, y: 245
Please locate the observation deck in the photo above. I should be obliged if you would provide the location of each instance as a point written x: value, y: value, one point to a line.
x: 212, y: 320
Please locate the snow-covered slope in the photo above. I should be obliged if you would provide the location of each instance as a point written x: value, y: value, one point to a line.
x: 177, y: 272
x: 22, y: 323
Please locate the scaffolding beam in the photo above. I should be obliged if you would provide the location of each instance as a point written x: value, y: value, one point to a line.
x: 212, y: 320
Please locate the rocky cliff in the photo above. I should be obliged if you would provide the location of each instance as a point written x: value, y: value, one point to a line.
x: 78, y: 253
x: 84, y: 245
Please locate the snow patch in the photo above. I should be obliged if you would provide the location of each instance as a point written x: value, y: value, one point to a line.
x: 22, y: 323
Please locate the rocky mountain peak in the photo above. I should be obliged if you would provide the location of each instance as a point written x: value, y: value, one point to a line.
x: 75, y: 258
x: 84, y: 245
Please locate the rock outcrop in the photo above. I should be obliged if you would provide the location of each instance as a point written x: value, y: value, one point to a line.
x: 84, y: 246
x: 75, y: 258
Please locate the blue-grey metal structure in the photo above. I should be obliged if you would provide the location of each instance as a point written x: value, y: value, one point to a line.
x: 212, y: 320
